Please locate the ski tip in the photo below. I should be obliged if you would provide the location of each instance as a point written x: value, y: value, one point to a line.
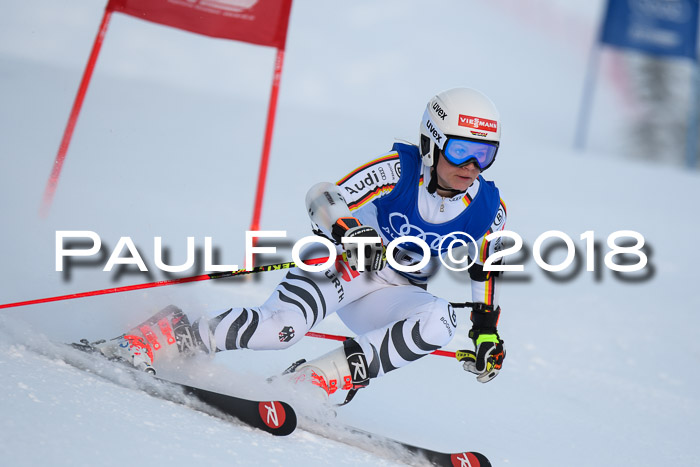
x: 471, y: 459
x: 279, y: 417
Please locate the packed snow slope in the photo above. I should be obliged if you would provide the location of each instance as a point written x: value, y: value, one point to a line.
x: 600, y: 366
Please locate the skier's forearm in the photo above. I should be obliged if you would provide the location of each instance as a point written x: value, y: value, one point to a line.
x: 486, y: 291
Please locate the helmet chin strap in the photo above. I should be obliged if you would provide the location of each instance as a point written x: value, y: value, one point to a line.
x: 455, y: 192
x: 432, y: 186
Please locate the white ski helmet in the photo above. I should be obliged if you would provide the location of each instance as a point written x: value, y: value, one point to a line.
x: 459, y: 117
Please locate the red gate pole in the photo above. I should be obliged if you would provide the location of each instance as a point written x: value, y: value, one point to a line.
x: 72, y: 119
x: 267, y: 143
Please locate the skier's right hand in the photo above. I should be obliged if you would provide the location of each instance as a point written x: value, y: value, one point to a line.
x: 346, y: 231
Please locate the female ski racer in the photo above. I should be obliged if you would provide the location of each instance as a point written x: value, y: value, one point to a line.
x: 429, y: 191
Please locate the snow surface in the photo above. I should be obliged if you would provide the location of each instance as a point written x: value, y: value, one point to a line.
x: 600, y: 368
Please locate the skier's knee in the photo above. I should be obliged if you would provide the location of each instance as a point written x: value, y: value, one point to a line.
x: 288, y: 336
x: 439, y: 323
x: 281, y: 330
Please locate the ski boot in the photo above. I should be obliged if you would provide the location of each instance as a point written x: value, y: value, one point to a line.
x: 344, y: 368
x: 169, y: 333
x: 165, y: 335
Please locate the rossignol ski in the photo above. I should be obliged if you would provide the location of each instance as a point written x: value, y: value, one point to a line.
x: 275, y: 417
x: 397, y: 450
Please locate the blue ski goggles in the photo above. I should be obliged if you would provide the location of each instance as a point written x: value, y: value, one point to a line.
x: 461, y: 152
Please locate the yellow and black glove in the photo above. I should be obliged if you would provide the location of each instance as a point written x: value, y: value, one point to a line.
x: 487, y: 359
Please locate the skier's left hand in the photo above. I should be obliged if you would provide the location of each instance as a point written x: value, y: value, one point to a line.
x: 487, y: 361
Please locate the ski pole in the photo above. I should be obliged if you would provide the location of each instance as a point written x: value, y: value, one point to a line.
x: 148, y: 285
x: 334, y: 337
x: 441, y: 353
